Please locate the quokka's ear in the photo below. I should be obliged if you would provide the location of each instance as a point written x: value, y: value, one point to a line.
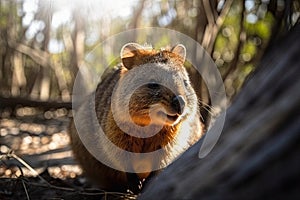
x: 128, y: 52
x: 180, y: 50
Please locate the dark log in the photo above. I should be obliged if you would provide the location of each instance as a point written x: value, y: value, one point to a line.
x: 13, y: 102
x: 258, y: 153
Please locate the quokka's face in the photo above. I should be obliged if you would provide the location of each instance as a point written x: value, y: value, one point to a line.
x: 155, y: 84
x: 165, y: 96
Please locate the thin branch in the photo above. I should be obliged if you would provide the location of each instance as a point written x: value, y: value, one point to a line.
x: 213, y: 28
x: 45, y: 183
x: 35, y: 173
x: 209, y: 12
x: 224, y: 12
x: 40, y: 57
x: 26, y: 192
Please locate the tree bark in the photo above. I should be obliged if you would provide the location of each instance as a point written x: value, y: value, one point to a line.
x: 258, y: 153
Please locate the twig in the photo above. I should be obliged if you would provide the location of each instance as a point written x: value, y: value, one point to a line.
x: 35, y: 173
x: 214, y: 26
x: 209, y: 12
x: 45, y: 183
x: 24, y: 186
x: 84, y: 192
x: 224, y: 12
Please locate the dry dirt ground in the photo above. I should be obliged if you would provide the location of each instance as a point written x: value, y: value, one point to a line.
x: 36, y: 161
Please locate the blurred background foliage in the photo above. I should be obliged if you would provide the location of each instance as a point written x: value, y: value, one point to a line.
x: 43, y: 43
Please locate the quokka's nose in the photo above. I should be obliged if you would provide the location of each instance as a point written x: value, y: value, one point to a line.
x: 178, y: 104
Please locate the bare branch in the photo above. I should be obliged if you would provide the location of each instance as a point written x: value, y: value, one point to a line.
x: 40, y: 57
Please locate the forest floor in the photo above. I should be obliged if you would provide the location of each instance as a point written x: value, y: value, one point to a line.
x: 36, y: 161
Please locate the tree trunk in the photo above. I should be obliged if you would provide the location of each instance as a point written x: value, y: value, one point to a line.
x: 258, y: 153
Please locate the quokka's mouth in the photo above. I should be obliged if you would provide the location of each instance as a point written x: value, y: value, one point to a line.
x: 170, y: 118
x: 163, y: 115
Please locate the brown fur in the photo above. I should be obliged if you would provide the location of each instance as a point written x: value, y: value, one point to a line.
x: 175, y: 136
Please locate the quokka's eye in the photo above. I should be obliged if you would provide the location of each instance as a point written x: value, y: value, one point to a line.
x: 153, y: 85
